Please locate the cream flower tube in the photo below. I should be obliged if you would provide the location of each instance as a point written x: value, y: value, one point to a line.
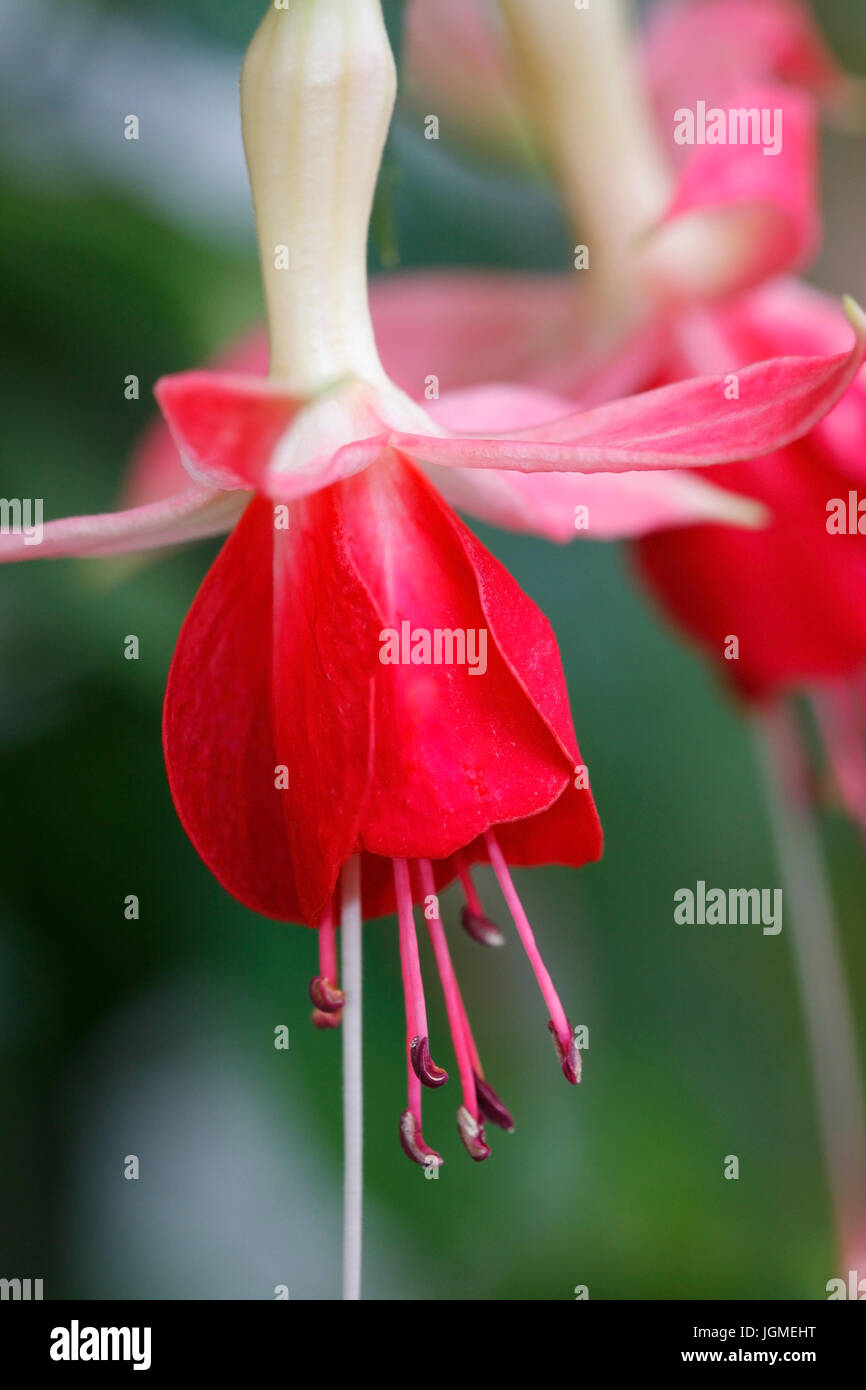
x: 591, y: 113
x: 580, y: 79
x: 317, y: 93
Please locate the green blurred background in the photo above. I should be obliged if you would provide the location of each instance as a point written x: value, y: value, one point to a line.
x: 155, y: 1037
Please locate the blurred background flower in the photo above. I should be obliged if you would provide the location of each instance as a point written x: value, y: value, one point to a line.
x: 154, y: 1036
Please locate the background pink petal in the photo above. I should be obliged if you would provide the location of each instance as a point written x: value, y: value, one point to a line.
x: 706, y: 49
x: 761, y: 209
x: 456, y: 750
x: 462, y: 327
x: 610, y: 505
x: 589, y: 506
x: 788, y: 312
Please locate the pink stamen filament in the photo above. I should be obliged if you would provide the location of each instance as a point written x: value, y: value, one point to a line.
x: 461, y: 1036
x: 328, y: 946
x: 413, y: 988
x: 558, y: 1019
x: 472, y: 899
x: 474, y: 918
x: 325, y: 991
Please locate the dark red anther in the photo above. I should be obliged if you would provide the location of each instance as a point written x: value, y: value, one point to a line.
x: 491, y: 1106
x: 414, y: 1147
x: 480, y: 928
x: 326, y: 996
x: 472, y: 1135
x: 568, y: 1054
x: 423, y: 1065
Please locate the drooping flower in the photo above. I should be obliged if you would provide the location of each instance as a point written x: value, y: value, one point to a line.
x: 358, y: 682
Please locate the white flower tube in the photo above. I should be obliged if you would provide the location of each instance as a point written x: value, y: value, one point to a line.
x: 317, y: 94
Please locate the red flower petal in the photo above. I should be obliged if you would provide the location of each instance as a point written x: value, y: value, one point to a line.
x: 455, y: 752
x: 278, y: 665
x: 793, y: 595
x: 257, y: 684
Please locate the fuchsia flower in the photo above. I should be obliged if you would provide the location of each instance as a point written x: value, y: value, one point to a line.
x: 700, y: 261
x: 293, y: 749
